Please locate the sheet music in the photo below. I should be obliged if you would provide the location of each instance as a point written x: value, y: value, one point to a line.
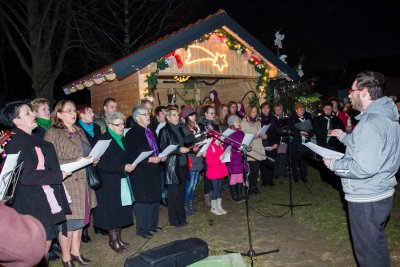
x: 248, y: 138
x: 168, y: 150
x: 304, y: 126
x: 99, y: 149
x: 324, y: 152
x: 226, y: 157
x: 142, y: 156
x: 159, y: 127
x: 126, y: 130
x: 204, y: 147
x: 76, y: 165
x: 268, y: 148
x: 6, y: 173
x: 227, y: 133
x: 263, y: 129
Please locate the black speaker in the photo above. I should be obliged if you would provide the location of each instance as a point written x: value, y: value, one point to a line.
x: 178, y: 253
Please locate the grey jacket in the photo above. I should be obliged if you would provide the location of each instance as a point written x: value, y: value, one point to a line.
x: 372, y: 154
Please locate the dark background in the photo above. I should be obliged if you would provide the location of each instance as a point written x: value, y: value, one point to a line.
x: 337, y: 38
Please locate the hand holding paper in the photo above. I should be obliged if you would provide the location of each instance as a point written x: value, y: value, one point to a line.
x: 99, y: 149
x: 142, y: 156
x: 168, y: 150
x: 324, y: 152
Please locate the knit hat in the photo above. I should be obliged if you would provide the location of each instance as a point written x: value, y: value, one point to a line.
x: 232, y: 119
x: 187, y: 111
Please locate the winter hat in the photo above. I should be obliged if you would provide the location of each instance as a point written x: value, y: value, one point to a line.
x: 232, y: 119
x: 187, y: 111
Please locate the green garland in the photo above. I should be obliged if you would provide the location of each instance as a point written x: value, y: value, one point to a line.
x: 260, y: 66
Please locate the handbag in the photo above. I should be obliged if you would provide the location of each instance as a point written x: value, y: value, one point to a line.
x: 282, y: 148
x: 127, y: 198
x: 93, y: 178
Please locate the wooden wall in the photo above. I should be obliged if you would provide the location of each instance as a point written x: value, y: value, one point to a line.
x: 125, y: 92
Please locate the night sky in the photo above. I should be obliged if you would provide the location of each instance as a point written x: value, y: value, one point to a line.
x: 327, y: 33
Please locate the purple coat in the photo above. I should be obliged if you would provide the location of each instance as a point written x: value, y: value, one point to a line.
x: 236, y: 164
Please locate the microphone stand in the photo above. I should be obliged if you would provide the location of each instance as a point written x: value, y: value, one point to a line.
x: 250, y: 253
x: 290, y: 205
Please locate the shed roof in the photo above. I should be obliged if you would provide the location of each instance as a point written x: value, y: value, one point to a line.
x: 163, y: 46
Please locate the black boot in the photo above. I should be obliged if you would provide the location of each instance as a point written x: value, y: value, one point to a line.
x: 233, y: 192
x: 114, y: 242
x: 239, y: 191
x: 85, y: 235
x: 99, y: 231
x: 121, y: 241
x: 54, y: 248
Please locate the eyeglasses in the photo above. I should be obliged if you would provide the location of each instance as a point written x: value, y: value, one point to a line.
x: 145, y: 114
x: 118, y: 125
x: 351, y: 90
x: 70, y: 111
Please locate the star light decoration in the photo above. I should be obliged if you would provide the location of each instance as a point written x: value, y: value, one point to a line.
x: 219, y: 60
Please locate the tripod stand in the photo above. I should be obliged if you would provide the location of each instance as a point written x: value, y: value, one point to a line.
x: 250, y: 253
x: 290, y: 176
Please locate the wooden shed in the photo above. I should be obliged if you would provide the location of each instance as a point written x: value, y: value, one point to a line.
x: 215, y: 53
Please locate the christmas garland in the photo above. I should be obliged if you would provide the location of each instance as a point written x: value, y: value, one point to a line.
x: 260, y: 66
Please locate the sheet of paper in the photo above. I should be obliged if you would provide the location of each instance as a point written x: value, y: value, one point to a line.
x: 204, y: 147
x: 99, y: 149
x: 126, y: 130
x: 76, y: 165
x: 263, y: 129
x: 142, y: 156
x: 199, y: 144
x: 6, y: 173
x: 304, y: 126
x: 324, y: 152
x: 248, y: 138
x: 268, y: 148
x: 168, y: 150
x: 227, y: 133
x: 226, y: 157
x: 159, y: 127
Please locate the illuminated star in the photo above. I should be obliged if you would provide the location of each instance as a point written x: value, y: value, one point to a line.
x: 220, y: 61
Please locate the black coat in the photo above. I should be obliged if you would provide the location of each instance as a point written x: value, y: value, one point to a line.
x: 296, y: 144
x: 173, y: 172
x: 146, y: 176
x: 29, y: 196
x: 109, y: 213
x: 321, y: 132
x: 96, y: 135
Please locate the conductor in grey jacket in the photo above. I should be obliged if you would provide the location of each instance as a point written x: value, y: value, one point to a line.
x: 368, y: 168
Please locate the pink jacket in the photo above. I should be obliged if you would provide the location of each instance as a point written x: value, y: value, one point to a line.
x: 215, y: 168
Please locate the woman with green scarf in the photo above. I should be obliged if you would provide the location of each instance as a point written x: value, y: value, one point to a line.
x: 41, y: 109
x: 114, y: 211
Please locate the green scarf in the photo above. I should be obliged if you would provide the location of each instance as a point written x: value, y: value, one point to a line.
x: 45, y: 123
x: 117, y: 138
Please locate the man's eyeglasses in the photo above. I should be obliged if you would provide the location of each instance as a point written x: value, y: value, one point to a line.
x: 145, y: 114
x: 70, y: 111
x: 351, y: 90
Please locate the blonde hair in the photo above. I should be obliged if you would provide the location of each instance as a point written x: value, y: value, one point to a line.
x: 38, y: 102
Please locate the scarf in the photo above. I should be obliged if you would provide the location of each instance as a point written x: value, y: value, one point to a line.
x: 253, y: 119
x: 117, y: 138
x: 44, y: 123
x: 152, y: 141
x: 87, y: 127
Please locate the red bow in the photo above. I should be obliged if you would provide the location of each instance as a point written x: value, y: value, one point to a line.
x: 177, y: 58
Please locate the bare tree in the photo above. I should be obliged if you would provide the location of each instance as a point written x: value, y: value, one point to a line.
x: 39, y: 33
x: 121, y: 26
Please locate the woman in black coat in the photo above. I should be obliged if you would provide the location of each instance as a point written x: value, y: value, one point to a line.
x: 109, y: 214
x: 146, y: 177
x: 39, y: 191
x: 176, y: 167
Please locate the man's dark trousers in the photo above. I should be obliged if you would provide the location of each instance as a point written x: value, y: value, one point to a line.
x: 367, y: 225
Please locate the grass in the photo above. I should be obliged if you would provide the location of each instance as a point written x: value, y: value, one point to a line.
x: 326, y: 214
